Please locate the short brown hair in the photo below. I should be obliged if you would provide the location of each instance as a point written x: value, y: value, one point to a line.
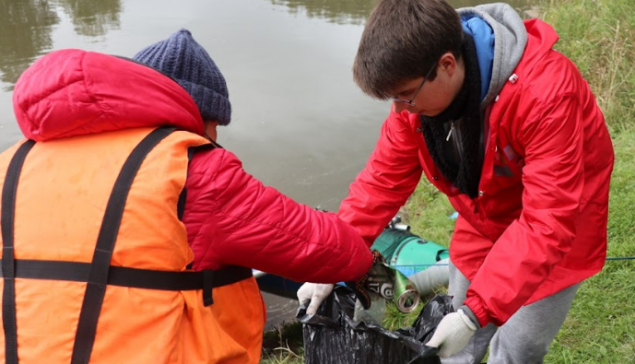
x: 402, y: 40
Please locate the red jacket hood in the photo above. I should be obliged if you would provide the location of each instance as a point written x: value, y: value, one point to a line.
x: 74, y: 92
x: 542, y: 37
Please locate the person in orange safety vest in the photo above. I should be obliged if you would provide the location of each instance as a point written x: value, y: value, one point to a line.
x: 128, y: 233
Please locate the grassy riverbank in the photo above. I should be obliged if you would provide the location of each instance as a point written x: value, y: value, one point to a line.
x: 599, y: 36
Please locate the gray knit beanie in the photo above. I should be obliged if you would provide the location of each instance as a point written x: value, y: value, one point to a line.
x: 183, y: 59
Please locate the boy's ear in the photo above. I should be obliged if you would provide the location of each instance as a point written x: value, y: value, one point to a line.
x: 448, y: 63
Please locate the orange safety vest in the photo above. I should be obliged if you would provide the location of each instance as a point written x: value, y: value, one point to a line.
x: 96, y: 273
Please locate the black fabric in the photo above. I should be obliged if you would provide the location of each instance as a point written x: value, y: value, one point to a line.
x: 9, y: 191
x: 458, y: 156
x: 131, y: 277
x: 180, y: 207
x: 208, y: 279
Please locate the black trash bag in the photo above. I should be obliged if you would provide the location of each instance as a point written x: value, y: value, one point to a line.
x: 332, y: 337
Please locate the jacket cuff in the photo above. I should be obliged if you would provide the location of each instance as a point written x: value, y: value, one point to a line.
x: 475, y: 307
x: 468, y: 312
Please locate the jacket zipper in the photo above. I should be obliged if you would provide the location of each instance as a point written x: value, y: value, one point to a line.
x: 450, y: 133
x: 455, y: 135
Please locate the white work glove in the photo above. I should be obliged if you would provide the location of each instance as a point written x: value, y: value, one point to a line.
x: 316, y: 292
x: 452, y: 334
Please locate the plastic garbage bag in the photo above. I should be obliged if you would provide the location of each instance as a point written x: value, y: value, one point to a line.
x: 375, y: 314
x: 331, y: 336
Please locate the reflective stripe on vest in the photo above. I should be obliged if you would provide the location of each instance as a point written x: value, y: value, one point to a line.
x: 99, y: 273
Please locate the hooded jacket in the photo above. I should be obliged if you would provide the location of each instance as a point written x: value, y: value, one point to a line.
x: 539, y: 222
x: 229, y: 216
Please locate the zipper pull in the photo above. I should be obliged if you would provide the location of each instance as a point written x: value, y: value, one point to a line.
x: 447, y: 139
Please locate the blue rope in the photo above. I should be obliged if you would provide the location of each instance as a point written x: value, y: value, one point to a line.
x: 445, y: 264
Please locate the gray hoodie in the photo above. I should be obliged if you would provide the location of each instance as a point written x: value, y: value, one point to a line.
x: 510, y: 39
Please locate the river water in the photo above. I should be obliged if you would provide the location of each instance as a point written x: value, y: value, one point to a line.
x: 299, y: 123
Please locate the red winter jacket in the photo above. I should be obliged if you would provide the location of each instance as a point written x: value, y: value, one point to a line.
x: 231, y: 218
x: 539, y: 222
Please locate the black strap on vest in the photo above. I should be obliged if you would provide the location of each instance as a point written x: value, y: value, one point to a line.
x: 183, y: 196
x: 9, y: 191
x: 129, y: 277
x: 99, y: 273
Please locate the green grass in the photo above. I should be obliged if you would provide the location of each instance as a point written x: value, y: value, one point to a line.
x: 282, y: 355
x: 283, y: 345
x: 600, y: 327
x: 394, y: 319
x: 599, y: 36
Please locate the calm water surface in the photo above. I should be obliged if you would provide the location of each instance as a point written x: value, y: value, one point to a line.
x: 299, y: 123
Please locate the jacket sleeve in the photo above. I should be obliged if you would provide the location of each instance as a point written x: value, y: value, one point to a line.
x: 233, y: 219
x: 553, y: 176
x: 389, y: 178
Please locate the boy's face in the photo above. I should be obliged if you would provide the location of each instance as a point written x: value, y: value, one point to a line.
x: 435, y: 95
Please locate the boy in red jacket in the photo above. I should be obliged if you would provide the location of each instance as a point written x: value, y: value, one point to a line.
x: 509, y: 130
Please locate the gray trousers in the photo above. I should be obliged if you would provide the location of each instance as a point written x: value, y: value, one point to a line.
x: 523, y: 339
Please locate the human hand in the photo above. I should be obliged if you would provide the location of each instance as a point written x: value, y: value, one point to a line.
x: 452, y: 334
x: 316, y: 293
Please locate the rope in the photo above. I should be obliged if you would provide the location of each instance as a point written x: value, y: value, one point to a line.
x: 446, y: 264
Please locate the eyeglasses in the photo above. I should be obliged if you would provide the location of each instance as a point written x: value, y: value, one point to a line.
x: 411, y: 101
